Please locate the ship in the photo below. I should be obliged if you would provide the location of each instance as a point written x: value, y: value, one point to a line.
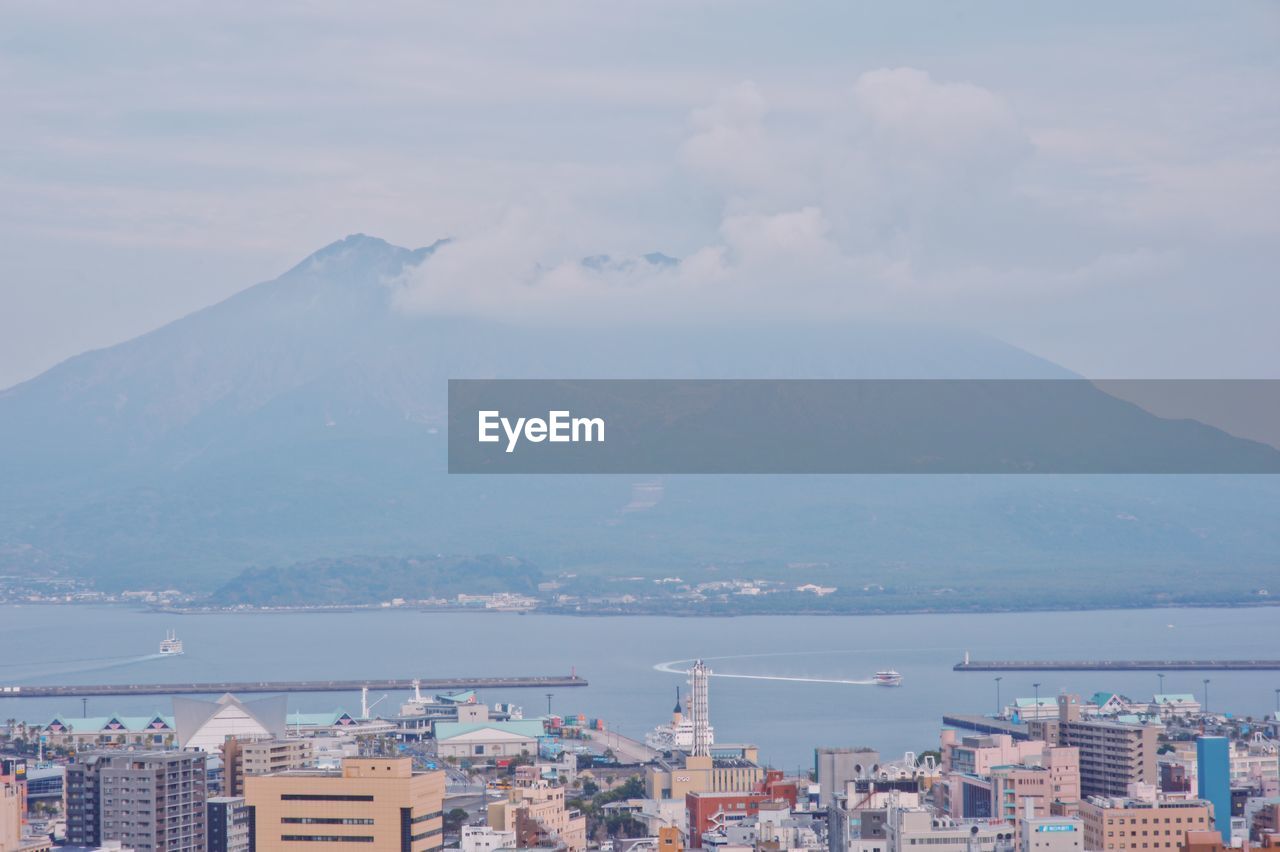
x: 888, y: 677
x: 171, y: 645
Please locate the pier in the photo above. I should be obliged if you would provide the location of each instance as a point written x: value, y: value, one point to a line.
x: 247, y: 686
x: 988, y: 725
x: 1115, y: 665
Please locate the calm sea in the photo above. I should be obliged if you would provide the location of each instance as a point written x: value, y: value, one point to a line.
x: 618, y: 655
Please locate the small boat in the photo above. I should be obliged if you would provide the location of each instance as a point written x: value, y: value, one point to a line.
x: 888, y: 678
x: 171, y: 645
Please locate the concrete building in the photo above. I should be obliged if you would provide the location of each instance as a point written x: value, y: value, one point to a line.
x: 102, y: 732
x: 1051, y: 834
x: 230, y: 823
x: 536, y: 812
x: 206, y: 725
x: 13, y: 809
x: 1202, y: 841
x: 149, y: 801
x: 910, y: 827
x: 1123, y: 823
x: 1113, y: 754
x: 1213, y: 780
x: 483, y: 838
x: 376, y: 801
x: 729, y: 769
x: 481, y: 739
x: 836, y: 767
x: 243, y: 758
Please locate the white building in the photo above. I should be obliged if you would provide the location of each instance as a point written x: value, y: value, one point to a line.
x: 206, y: 725
x: 482, y: 838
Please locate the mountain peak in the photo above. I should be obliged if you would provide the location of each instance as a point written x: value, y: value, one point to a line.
x: 365, y: 253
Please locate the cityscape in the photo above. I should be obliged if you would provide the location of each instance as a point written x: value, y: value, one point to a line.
x: 1055, y: 773
x: 664, y: 426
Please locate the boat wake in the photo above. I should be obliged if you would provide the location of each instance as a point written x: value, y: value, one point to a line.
x: 81, y: 666
x: 670, y: 668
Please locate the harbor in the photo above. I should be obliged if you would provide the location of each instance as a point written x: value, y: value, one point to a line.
x: 968, y: 665
x: 219, y: 687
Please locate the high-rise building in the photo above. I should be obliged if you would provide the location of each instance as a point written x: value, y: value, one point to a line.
x: 149, y: 801
x: 379, y: 803
x: 13, y: 809
x: 699, y: 708
x: 1213, y: 780
x: 1113, y: 755
x: 230, y: 825
x: 535, y: 810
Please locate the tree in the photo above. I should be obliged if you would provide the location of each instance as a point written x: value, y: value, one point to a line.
x: 455, y: 819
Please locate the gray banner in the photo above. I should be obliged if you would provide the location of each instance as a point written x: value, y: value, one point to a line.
x: 864, y: 426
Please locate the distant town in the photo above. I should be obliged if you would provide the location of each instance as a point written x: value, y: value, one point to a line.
x: 1056, y: 773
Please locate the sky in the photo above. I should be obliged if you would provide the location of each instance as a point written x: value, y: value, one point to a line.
x: 1098, y: 183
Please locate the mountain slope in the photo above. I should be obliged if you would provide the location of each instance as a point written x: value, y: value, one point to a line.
x: 303, y: 419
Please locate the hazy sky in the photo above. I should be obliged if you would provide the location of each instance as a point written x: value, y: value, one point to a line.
x: 1096, y: 182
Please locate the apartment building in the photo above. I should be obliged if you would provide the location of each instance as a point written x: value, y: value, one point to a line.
x: 148, y: 801
x: 230, y: 824
x: 245, y: 757
x: 1113, y: 754
x: 536, y: 812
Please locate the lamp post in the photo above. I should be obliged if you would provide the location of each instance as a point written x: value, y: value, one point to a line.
x: 1278, y: 700
x: 999, y: 678
x: 1037, y: 688
x: 549, y: 694
x: 1206, y: 695
x: 1161, y: 676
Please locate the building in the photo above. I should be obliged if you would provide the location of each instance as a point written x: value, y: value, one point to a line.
x: 1170, y: 704
x: 241, y: 758
x: 535, y: 811
x: 485, y: 739
x: 1213, y: 780
x: 149, y: 801
x: 230, y: 823
x: 675, y: 778
x: 1113, y: 754
x: 377, y: 801
x: 708, y: 811
x: 482, y: 838
x: 1122, y: 823
x: 13, y: 809
x: 1202, y: 841
x: 206, y: 725
x: 836, y: 767
x: 102, y: 732
x: 910, y: 827
x: 1051, y: 834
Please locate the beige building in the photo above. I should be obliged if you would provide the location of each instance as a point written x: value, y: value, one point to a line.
x: 535, y: 812
x: 673, y: 779
x: 12, y: 809
x: 241, y: 758
x: 379, y: 803
x: 1117, y: 823
x: 1113, y: 755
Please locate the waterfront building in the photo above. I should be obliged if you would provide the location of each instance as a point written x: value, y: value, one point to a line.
x: 1169, y: 704
x: 151, y: 801
x: 377, y: 803
x: 836, y: 767
x: 230, y: 822
x: 206, y: 725
x: 102, y: 732
x: 1126, y: 823
x: 1213, y: 780
x: 484, y: 739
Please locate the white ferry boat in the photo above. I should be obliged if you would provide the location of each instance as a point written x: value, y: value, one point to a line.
x: 171, y: 645
x: 888, y: 677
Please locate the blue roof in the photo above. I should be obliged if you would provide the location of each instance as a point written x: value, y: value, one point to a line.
x: 530, y: 728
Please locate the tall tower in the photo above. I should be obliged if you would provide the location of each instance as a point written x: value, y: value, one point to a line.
x: 699, y: 676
